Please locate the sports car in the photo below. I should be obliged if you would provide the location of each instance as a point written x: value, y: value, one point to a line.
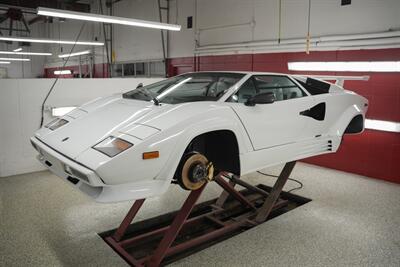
x: 187, y: 128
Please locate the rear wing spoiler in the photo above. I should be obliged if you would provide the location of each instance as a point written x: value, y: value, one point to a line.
x: 339, y: 80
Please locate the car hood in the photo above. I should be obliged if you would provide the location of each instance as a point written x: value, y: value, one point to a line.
x: 97, y: 120
x: 93, y: 122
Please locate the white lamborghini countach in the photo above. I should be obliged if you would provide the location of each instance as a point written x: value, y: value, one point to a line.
x: 184, y: 129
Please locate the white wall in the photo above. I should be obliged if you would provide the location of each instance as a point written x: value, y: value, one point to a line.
x: 255, y: 20
x: 328, y: 17
x: 133, y: 43
x: 20, y: 104
x: 182, y: 43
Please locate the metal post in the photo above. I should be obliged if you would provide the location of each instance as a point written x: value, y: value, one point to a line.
x: 80, y: 67
x: 91, y: 65
x: 127, y: 220
x: 236, y: 194
x: 239, y: 181
x: 224, y: 195
x: 269, y: 203
x: 175, y: 227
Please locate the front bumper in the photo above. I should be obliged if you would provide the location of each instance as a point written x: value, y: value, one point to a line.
x: 88, y: 182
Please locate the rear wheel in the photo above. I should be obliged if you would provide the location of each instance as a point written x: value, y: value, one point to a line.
x: 192, y: 171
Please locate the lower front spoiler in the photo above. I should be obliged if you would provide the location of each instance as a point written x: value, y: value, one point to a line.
x: 94, y: 187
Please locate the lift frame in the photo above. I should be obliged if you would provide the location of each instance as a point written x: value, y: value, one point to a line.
x: 255, y: 214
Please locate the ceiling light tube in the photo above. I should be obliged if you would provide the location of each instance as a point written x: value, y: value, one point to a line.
x: 106, y: 19
x: 47, y: 41
x: 358, y: 66
x: 5, y: 62
x: 62, y: 72
x: 387, y: 126
x: 18, y: 49
x: 14, y: 59
x: 25, y: 53
x: 75, y: 54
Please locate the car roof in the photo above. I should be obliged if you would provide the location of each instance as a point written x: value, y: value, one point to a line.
x: 240, y: 72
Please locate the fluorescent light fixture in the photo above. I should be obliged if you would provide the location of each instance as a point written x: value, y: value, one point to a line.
x: 359, y: 66
x: 25, y: 53
x: 388, y: 126
x: 61, y: 111
x: 18, y: 49
x: 47, y: 41
x: 5, y: 62
x: 14, y: 59
x: 62, y: 72
x: 106, y: 19
x: 75, y: 54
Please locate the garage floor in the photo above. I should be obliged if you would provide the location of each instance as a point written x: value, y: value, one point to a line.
x: 352, y: 221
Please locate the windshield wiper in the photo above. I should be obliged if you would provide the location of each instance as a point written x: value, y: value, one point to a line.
x: 148, y: 94
x: 156, y: 101
x: 144, y: 92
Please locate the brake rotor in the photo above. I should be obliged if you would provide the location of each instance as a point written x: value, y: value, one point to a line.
x: 195, y: 172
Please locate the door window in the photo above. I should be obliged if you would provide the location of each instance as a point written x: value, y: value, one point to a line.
x: 281, y: 86
x: 247, y: 90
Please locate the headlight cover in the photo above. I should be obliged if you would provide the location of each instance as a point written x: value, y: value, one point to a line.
x: 112, y: 146
x: 55, y: 124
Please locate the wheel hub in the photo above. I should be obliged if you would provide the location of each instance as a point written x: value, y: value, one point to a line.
x: 198, y: 172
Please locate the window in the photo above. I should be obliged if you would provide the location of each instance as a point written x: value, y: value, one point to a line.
x: 141, y: 68
x: 153, y: 68
x: 247, y: 90
x: 189, y: 87
x: 117, y: 70
x: 281, y: 86
x: 129, y: 69
x: 315, y: 87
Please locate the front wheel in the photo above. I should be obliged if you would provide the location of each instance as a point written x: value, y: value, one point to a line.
x: 193, y: 171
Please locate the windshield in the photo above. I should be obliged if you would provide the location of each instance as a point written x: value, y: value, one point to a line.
x: 189, y: 87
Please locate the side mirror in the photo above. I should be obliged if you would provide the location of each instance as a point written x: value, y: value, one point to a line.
x: 139, y: 85
x: 264, y: 98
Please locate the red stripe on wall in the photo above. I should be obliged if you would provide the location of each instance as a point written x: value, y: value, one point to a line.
x: 372, y: 153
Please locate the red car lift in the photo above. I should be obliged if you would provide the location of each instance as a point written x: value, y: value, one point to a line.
x: 255, y: 214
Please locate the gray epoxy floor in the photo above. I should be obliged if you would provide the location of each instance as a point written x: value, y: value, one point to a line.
x: 352, y: 221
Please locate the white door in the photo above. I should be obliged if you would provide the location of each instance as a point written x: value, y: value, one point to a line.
x: 277, y: 123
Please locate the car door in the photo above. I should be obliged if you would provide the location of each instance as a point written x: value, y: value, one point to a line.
x: 277, y: 123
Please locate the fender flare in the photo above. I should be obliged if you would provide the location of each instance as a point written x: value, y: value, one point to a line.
x: 169, y: 169
x: 341, y: 124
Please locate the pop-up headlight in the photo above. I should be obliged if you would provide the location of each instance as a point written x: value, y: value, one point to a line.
x: 112, y: 146
x: 55, y: 124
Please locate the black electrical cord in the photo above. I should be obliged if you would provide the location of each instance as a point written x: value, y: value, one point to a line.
x: 291, y: 179
x: 56, y: 80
